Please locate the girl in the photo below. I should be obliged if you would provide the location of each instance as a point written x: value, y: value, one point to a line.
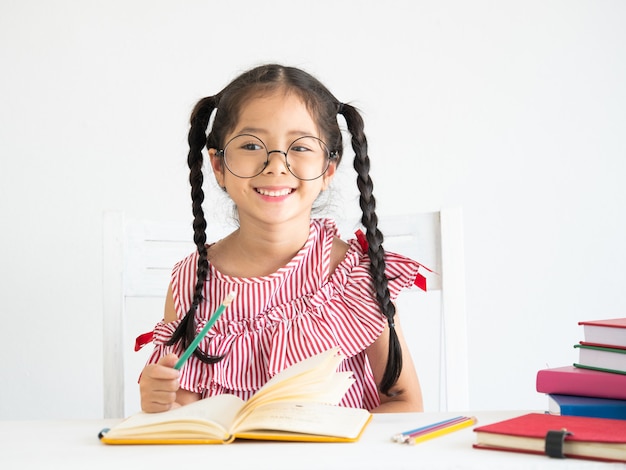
x: 274, y: 146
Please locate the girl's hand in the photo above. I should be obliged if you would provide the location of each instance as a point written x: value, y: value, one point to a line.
x: 158, y: 385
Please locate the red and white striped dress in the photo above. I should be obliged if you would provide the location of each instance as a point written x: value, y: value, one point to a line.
x: 285, y: 317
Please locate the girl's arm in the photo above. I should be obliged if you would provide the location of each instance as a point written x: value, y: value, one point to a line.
x: 406, y: 393
x: 159, y: 386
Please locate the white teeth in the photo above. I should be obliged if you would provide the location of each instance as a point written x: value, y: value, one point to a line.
x: 282, y: 192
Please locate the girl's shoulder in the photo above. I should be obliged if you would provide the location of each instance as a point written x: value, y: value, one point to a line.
x: 338, y: 252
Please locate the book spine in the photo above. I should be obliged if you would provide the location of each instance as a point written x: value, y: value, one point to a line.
x: 591, y: 407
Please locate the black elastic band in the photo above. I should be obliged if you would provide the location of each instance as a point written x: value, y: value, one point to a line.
x: 554, y: 443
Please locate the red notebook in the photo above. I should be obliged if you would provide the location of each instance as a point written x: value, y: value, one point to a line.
x: 570, y: 380
x: 585, y: 438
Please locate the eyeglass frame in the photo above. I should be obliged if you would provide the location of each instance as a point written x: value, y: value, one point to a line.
x: 332, y: 155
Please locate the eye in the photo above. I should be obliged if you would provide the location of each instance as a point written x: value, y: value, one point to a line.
x: 303, y: 144
x: 300, y: 148
x: 251, y: 146
x: 308, y: 147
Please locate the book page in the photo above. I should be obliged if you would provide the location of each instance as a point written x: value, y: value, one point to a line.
x: 212, y: 416
x: 316, y: 419
x: 318, y: 365
x: 328, y: 390
x: 313, y: 379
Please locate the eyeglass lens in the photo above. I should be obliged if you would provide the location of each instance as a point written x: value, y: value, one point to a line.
x: 247, y: 156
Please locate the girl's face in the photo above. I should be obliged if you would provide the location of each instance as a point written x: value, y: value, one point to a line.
x: 275, y: 195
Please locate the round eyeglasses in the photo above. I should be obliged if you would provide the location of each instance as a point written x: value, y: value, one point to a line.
x: 246, y: 156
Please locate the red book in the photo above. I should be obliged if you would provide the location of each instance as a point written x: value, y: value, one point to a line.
x: 585, y: 438
x: 609, y: 333
x: 570, y: 380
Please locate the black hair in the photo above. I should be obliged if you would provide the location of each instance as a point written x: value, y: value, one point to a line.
x: 324, y: 108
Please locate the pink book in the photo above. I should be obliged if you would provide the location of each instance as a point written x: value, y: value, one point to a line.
x: 570, y: 380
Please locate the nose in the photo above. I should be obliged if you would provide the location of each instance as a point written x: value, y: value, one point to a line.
x: 283, y: 166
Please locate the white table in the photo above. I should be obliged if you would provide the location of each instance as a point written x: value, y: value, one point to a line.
x: 74, y: 445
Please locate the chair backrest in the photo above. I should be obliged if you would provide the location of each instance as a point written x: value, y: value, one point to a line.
x: 434, y: 322
x: 139, y: 256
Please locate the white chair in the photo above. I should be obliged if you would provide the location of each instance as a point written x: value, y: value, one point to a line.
x: 434, y: 322
x: 139, y: 256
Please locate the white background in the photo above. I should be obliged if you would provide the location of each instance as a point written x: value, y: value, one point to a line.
x: 514, y: 110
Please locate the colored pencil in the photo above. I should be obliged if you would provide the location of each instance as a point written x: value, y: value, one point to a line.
x: 403, y: 436
x: 194, y: 344
x: 442, y: 430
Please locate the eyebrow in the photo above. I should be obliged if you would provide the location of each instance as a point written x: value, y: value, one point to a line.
x: 260, y: 130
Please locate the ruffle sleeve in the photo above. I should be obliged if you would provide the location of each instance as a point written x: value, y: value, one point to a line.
x: 353, y: 308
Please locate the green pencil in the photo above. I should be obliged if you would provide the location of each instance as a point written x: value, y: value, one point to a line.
x: 194, y: 344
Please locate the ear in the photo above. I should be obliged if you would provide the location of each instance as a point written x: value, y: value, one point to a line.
x: 218, y: 167
x: 328, y: 176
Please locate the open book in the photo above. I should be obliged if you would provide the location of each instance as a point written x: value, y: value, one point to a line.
x: 297, y: 404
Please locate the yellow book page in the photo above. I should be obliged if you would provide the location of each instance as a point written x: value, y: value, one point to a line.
x: 211, y: 418
x: 329, y: 391
x: 316, y: 367
x: 317, y: 373
x: 314, y: 419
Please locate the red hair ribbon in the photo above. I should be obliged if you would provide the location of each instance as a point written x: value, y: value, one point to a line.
x: 143, y: 339
x: 420, y: 281
x: 360, y: 236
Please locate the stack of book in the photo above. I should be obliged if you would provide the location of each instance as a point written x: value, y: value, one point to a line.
x: 595, y: 386
x: 587, y: 404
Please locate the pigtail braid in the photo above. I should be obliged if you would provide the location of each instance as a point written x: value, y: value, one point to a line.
x: 374, y: 237
x: 186, y: 330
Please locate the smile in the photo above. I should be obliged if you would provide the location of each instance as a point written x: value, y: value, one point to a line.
x: 274, y: 193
